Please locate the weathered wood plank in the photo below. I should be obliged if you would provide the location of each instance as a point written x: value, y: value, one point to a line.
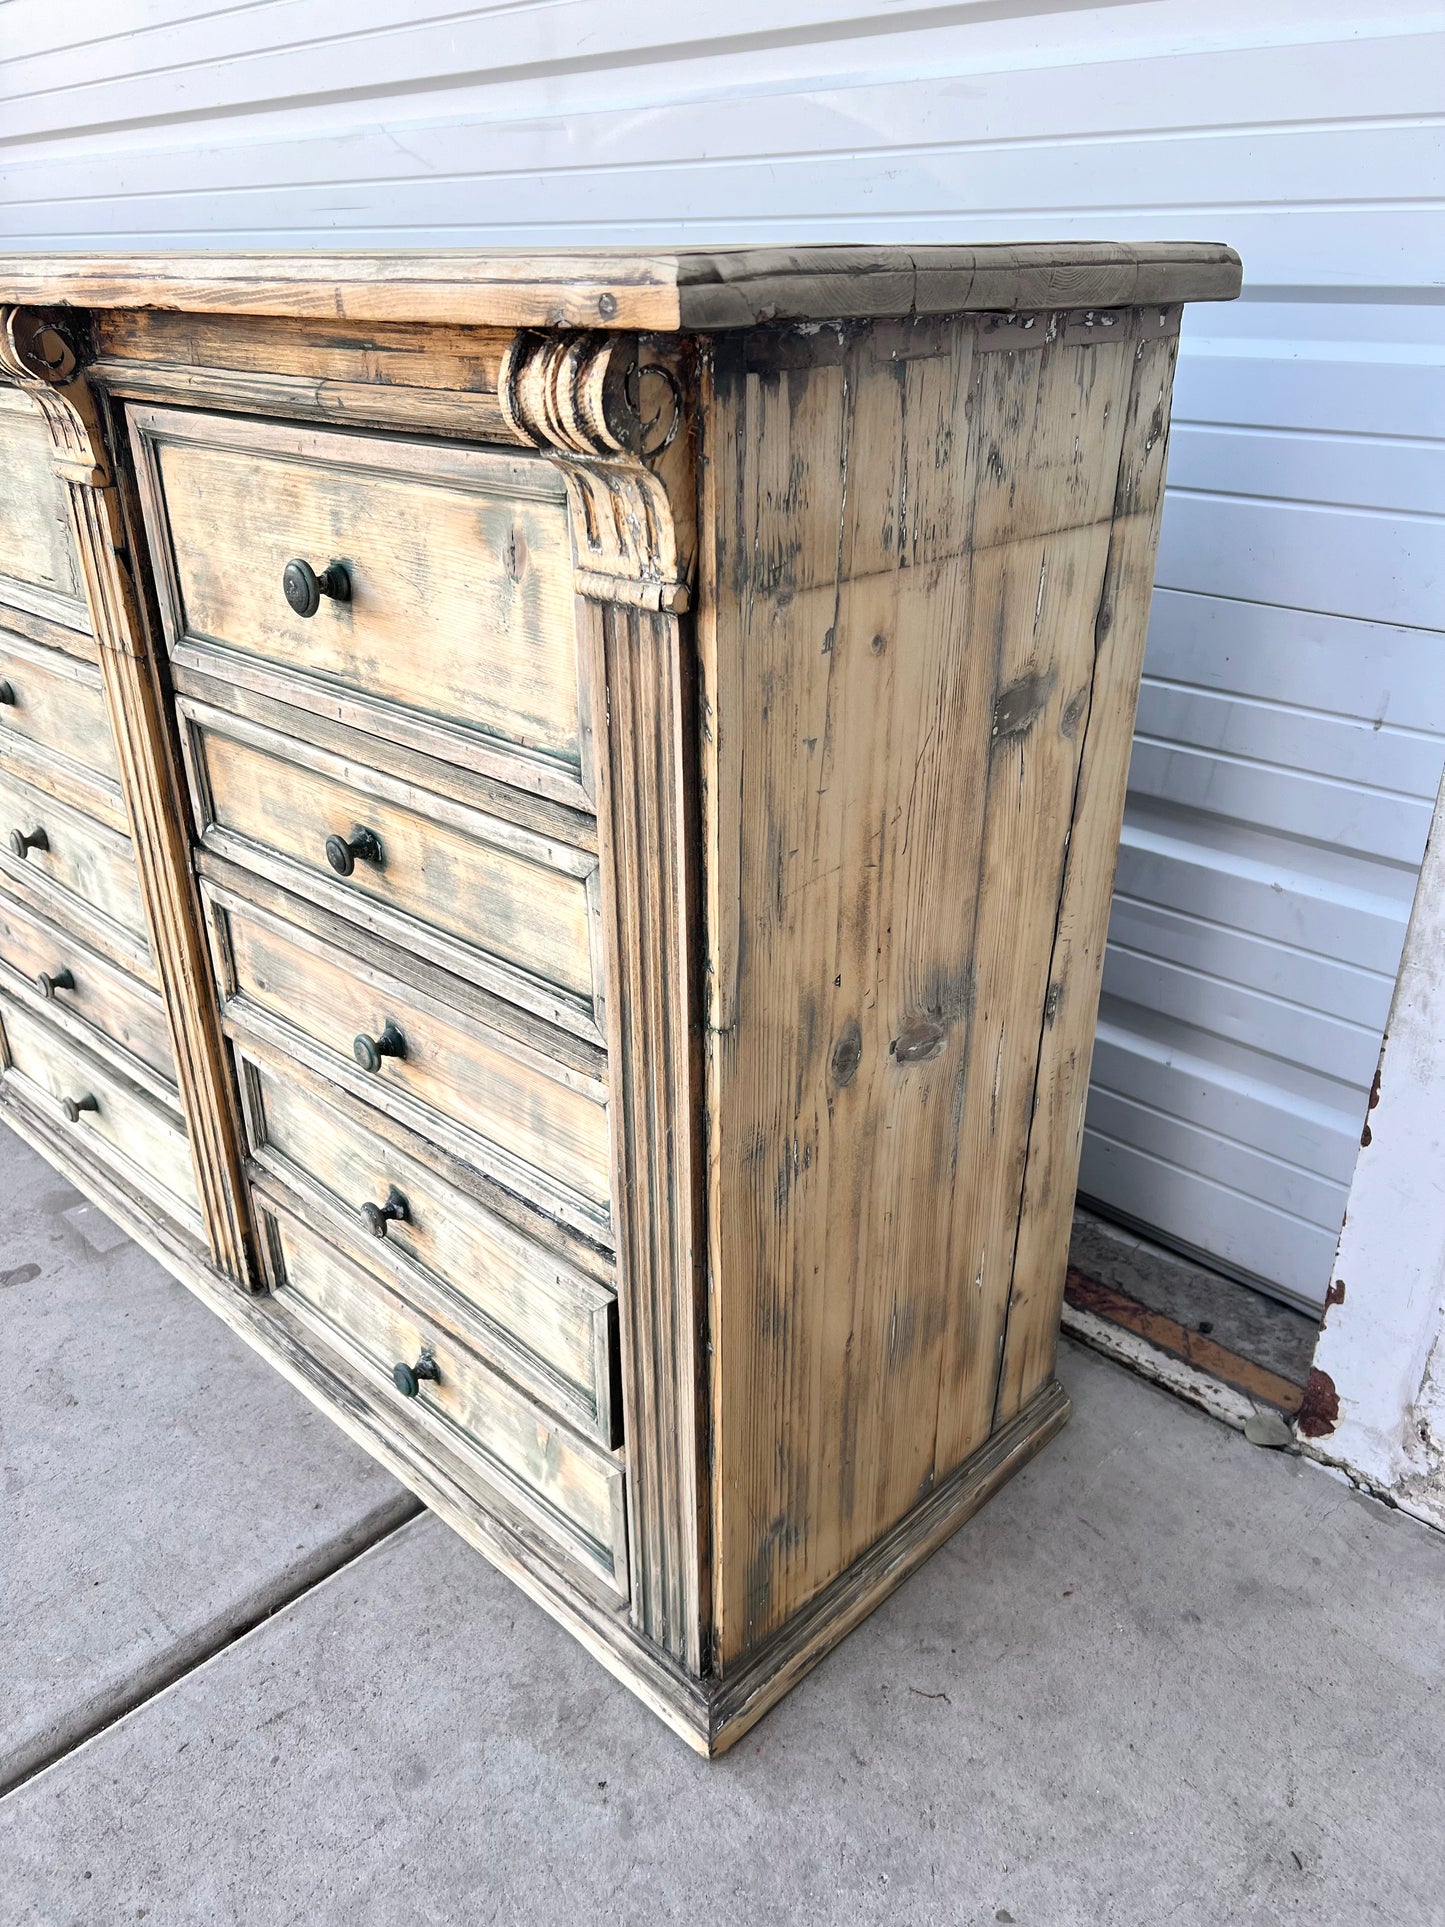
x: 573, y: 1489
x: 56, y: 701
x: 1077, y: 959
x: 458, y: 564
x: 125, y: 1011
x: 686, y: 288
x: 123, y: 1124
x: 545, y: 1323
x: 911, y: 539
x: 477, y: 894
x: 525, y: 1117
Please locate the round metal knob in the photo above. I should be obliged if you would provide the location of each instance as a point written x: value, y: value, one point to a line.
x: 407, y: 1378
x: 342, y: 852
x: 22, y: 842
x: 7, y: 694
x: 304, y: 588
x: 369, y: 1051
x: 376, y: 1217
x: 48, y: 982
x: 73, y: 1106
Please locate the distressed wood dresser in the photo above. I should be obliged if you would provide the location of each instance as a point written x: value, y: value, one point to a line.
x: 558, y: 819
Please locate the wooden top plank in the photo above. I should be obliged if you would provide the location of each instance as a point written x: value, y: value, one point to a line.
x: 626, y: 288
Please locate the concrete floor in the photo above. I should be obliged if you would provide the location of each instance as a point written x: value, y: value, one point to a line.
x: 1165, y: 1678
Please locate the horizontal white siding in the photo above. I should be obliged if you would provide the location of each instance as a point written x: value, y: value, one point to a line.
x: 1292, y: 726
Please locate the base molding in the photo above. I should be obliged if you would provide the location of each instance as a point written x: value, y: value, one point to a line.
x: 709, y: 1714
x: 742, y: 1696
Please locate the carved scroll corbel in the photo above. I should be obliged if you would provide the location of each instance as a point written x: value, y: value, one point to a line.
x: 39, y: 352
x: 609, y: 418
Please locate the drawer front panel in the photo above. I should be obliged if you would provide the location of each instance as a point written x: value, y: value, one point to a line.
x: 498, y: 903
x: 123, y: 1127
x: 540, y: 1319
x: 573, y: 1490
x: 81, y: 858
x: 459, y: 561
x: 38, y: 567
x: 53, y: 700
x: 129, y: 1014
x: 545, y: 1122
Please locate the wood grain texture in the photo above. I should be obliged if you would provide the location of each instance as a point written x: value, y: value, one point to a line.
x: 546, y: 1324
x: 527, y: 1118
x: 740, y: 1699
x: 47, y: 773
x: 100, y: 999
x: 47, y: 362
x: 612, y: 414
x: 58, y: 702
x: 38, y: 567
x: 478, y: 895
x: 460, y: 572
x: 83, y: 859
x: 571, y: 1488
x: 629, y: 289
x: 778, y: 680
x: 648, y: 840
x: 1077, y: 959
x: 126, y: 1127
x: 350, y: 1398
x: 911, y: 530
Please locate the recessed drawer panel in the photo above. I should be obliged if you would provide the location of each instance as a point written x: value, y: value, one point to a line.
x: 78, y: 858
x: 38, y: 568
x: 491, y: 900
x: 107, y: 1115
x: 70, y: 973
x: 535, y: 1315
x: 56, y: 701
x: 455, y: 565
x: 529, y: 1120
x: 572, y: 1489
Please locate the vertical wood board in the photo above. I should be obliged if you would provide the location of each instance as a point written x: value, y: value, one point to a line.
x: 912, y: 527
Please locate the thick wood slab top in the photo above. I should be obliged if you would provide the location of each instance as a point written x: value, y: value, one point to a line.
x: 632, y: 288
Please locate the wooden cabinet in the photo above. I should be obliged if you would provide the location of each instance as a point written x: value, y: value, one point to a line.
x: 579, y: 799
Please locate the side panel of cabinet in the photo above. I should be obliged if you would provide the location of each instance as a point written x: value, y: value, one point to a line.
x: 908, y: 681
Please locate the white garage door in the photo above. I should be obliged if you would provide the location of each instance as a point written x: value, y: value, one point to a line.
x: 1288, y: 752
x: 1293, y: 724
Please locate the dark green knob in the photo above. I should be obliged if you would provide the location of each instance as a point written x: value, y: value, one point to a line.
x: 369, y: 1051
x: 22, y: 842
x: 7, y: 694
x: 407, y: 1378
x: 376, y: 1217
x: 73, y: 1106
x: 304, y: 588
x: 48, y: 982
x: 342, y: 852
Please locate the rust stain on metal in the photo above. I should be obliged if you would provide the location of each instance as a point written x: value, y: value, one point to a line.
x: 1319, y: 1413
x: 1334, y: 1296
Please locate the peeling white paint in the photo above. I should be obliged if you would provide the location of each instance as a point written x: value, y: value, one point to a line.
x: 1383, y: 1344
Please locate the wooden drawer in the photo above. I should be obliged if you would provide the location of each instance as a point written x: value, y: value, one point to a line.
x: 130, y: 1014
x: 459, y: 632
x: 571, y: 1488
x: 487, y: 898
x: 56, y: 701
x: 527, y: 1309
x: 121, y: 1125
x: 537, y: 1124
x: 83, y: 863
x: 38, y: 568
